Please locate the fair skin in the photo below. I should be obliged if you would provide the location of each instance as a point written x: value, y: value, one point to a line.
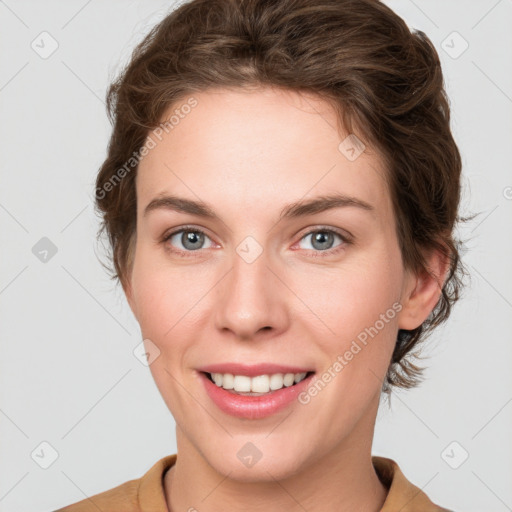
x: 248, y: 155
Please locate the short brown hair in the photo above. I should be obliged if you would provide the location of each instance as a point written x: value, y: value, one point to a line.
x: 384, y: 81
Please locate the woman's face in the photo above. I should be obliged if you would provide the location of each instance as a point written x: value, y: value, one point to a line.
x: 315, y: 290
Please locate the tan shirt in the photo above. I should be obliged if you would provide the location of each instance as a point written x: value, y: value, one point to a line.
x: 146, y: 494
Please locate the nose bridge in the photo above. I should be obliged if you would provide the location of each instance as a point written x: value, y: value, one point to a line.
x: 249, y: 298
x: 250, y: 270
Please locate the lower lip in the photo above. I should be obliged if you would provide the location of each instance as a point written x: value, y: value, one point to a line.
x: 253, y: 407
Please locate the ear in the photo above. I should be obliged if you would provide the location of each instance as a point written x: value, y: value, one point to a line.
x: 422, y: 290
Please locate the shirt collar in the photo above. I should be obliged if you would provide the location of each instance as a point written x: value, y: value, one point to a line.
x: 402, y: 494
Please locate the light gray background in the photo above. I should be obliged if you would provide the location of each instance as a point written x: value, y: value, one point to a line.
x: 68, y: 376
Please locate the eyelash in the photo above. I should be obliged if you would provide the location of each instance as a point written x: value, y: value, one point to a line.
x: 321, y: 229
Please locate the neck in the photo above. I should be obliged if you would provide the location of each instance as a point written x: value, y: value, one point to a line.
x: 343, y: 479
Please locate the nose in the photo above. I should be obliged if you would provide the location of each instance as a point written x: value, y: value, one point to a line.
x: 252, y: 299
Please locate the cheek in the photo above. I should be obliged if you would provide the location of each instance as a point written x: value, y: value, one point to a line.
x: 168, y: 299
x: 359, y: 304
x: 353, y: 296
x: 154, y: 292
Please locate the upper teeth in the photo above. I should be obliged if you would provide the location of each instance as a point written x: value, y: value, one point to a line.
x: 259, y: 384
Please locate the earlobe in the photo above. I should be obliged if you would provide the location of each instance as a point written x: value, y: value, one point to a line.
x: 422, y: 291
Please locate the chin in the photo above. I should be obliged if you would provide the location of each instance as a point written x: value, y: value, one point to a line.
x: 245, y: 462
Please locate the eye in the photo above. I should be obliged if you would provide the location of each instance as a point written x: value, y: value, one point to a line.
x: 322, y: 240
x: 186, y: 239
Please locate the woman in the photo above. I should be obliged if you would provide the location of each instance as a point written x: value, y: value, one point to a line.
x: 280, y: 194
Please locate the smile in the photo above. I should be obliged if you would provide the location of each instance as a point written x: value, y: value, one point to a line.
x: 258, y: 385
x: 254, y: 392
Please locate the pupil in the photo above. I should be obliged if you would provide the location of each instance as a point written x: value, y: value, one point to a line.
x: 322, y: 237
x: 191, y: 237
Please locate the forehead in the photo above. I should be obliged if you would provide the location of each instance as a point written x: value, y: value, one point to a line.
x: 257, y: 149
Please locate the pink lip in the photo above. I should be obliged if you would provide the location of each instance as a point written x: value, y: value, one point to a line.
x: 253, y: 407
x: 252, y: 370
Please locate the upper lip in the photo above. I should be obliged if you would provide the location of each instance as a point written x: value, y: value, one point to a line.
x: 252, y: 370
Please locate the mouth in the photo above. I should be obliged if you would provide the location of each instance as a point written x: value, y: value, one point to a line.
x: 254, y: 391
x: 258, y: 385
x: 253, y: 397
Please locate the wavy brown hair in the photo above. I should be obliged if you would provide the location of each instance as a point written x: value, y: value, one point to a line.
x: 383, y: 80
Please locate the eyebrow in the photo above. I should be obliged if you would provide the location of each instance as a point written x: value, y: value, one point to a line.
x: 290, y: 211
